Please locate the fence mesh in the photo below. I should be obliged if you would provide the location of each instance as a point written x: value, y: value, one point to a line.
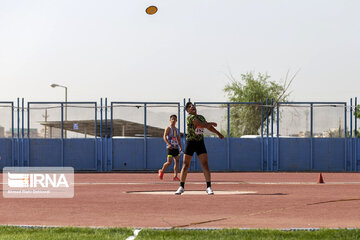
x: 41, y: 115
x: 128, y: 119
x: 45, y: 120
x: 356, y: 114
x: 294, y: 120
x: 329, y: 121
x: 351, y: 111
x: 158, y: 118
x: 245, y: 120
x: 5, y: 120
x: 79, y: 120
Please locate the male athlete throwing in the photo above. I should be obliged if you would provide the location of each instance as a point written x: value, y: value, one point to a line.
x: 195, y: 143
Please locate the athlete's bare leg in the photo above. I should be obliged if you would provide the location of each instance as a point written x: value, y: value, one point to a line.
x: 205, y: 166
x: 185, y: 167
x: 169, y: 160
x: 176, y: 166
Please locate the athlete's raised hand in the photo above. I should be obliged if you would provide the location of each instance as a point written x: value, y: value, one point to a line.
x: 220, y: 136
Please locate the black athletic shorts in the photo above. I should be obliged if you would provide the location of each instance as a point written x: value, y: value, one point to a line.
x: 195, y: 146
x: 173, y: 152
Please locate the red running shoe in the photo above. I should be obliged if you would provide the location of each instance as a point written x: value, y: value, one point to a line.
x: 161, y: 174
x: 176, y: 179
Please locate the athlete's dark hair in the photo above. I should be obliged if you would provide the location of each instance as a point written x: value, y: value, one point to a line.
x: 173, y: 116
x: 188, y: 105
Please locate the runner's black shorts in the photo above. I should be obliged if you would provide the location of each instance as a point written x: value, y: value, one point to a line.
x: 195, y: 146
x: 174, y: 152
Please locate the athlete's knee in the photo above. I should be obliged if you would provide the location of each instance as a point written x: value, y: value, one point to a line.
x: 205, y: 166
x: 186, y: 165
x: 186, y: 161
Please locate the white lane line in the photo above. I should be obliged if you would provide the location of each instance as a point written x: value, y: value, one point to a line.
x: 217, y: 183
x: 136, y: 232
x: 192, y: 192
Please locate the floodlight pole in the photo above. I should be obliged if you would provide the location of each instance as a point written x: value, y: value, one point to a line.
x: 54, y: 85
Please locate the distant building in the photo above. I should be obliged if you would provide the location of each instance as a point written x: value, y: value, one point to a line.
x: 50, y: 132
x: 2, y: 132
x: 33, y: 133
x: 121, y: 128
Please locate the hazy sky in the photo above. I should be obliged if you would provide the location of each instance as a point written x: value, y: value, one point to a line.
x: 112, y: 48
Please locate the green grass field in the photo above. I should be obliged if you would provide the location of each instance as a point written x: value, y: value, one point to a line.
x: 21, y: 233
x: 248, y: 234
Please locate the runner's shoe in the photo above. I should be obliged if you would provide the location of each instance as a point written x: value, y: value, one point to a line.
x: 209, y: 191
x: 176, y: 179
x: 161, y: 174
x: 179, y: 191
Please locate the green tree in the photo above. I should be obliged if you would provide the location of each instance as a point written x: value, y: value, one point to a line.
x: 246, y: 119
x: 357, y: 115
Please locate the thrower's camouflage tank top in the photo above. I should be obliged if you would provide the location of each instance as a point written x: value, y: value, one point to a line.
x: 194, y: 133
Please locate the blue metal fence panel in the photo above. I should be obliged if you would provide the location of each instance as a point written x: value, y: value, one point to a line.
x: 80, y: 154
x: 230, y: 154
x: 99, y: 152
x: 355, y: 141
x: 328, y: 154
x: 294, y: 154
x: 6, y: 153
x: 216, y: 149
x: 144, y: 151
x: 45, y: 152
x: 28, y: 155
x: 127, y: 154
x: 245, y: 154
x: 357, y: 156
x: 156, y: 154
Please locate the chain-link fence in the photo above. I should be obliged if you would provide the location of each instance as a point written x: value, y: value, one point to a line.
x: 6, y: 120
x: 238, y: 120
x: 128, y: 135
x: 329, y: 120
x: 128, y: 118
x: 57, y: 120
x: 45, y: 120
x: 295, y: 120
x: 158, y: 117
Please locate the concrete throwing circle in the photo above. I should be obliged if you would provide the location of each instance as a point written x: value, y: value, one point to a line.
x: 192, y: 192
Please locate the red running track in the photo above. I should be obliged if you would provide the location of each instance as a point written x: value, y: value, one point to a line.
x: 278, y: 200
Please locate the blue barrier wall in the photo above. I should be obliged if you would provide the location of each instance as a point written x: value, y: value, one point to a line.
x: 6, y: 152
x: 294, y: 154
x: 77, y: 153
x: 245, y: 154
x: 127, y: 154
x: 328, y: 154
x: 357, y: 160
x: 80, y: 154
x: 45, y: 152
x: 317, y: 154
